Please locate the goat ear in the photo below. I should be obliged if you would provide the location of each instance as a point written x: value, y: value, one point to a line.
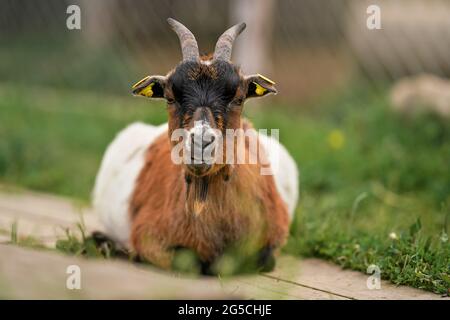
x: 259, y: 86
x: 150, y: 87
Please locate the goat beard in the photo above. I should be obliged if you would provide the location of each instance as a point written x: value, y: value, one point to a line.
x: 198, y: 187
x: 196, y: 193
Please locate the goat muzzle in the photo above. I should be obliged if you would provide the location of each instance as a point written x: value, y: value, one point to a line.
x: 201, y: 145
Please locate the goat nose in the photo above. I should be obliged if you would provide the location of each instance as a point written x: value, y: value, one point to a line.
x: 202, y: 139
x: 208, y: 140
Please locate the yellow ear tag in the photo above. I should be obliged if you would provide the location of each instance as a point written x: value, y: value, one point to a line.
x: 147, y: 91
x: 140, y: 82
x: 266, y: 79
x: 259, y: 90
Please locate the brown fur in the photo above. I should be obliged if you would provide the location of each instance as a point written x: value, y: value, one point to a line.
x: 203, y: 69
x: 241, y: 207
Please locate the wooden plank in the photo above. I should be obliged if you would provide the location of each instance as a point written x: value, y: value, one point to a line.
x: 261, y: 287
x: 321, y: 275
x: 42, y: 217
x: 31, y: 274
x: 46, y: 208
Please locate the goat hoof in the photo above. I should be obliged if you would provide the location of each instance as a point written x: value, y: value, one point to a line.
x: 107, y: 246
x: 100, y: 237
x: 266, y: 260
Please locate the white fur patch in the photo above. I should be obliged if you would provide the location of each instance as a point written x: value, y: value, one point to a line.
x: 206, y: 62
x: 116, y: 178
x: 284, y: 170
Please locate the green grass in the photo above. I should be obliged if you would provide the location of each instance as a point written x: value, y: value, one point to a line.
x: 53, y: 140
x: 26, y: 241
x: 375, y: 187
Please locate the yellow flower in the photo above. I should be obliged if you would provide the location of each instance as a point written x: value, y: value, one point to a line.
x: 393, y: 236
x: 336, y: 139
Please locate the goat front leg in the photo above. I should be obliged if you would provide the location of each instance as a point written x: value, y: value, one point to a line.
x: 266, y: 259
x: 148, y: 248
x: 107, y: 246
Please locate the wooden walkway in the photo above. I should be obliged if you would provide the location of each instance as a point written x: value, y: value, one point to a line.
x: 28, y: 273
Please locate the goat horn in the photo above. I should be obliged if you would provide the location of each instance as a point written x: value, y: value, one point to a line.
x: 224, y: 44
x: 188, y: 43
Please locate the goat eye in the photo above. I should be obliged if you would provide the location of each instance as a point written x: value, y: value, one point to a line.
x: 170, y: 101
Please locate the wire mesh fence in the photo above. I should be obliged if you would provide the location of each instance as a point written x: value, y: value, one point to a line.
x: 308, y: 46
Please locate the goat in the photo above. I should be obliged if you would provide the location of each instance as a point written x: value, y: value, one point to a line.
x: 151, y: 206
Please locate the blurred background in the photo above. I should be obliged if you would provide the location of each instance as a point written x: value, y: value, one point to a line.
x: 309, y: 46
x: 365, y: 113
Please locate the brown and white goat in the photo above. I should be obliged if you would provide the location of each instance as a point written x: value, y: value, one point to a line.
x: 152, y: 205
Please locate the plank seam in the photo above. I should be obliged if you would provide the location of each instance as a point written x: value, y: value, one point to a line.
x: 309, y: 287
